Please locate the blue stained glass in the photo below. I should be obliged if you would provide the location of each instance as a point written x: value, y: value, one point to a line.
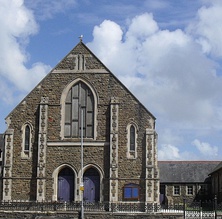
x: 135, y: 192
x: 127, y: 192
x: 131, y: 192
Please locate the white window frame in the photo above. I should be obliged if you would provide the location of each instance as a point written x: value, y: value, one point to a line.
x: 175, y: 187
x: 190, y: 188
x: 26, y: 153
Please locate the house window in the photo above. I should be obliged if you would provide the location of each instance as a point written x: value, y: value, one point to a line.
x: 189, y: 190
x: 132, y: 140
x: 131, y: 192
x: 26, y: 140
x: 176, y: 190
x: 79, y: 104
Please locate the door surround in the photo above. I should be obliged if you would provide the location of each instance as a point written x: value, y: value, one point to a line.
x: 55, y: 181
x: 101, y: 175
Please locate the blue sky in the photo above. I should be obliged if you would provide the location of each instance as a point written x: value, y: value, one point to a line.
x: 167, y: 52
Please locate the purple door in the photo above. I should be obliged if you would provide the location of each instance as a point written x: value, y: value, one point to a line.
x: 66, y: 185
x: 91, y: 185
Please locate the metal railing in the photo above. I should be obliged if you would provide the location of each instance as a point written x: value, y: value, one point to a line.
x: 111, y: 207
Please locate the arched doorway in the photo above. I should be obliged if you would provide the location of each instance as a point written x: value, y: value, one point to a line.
x: 66, y: 185
x: 91, y: 185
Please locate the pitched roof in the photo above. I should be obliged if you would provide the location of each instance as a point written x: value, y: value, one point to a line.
x: 218, y: 167
x: 185, y: 171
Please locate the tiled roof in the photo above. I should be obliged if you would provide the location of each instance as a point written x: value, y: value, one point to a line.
x: 185, y: 171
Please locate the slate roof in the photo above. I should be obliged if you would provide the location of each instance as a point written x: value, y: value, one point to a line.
x: 218, y: 167
x: 185, y: 171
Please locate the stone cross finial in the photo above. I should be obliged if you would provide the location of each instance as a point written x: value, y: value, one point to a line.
x: 80, y: 38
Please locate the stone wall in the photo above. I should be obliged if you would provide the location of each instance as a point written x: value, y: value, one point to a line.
x: 106, y: 86
x: 196, y: 196
x: 87, y: 215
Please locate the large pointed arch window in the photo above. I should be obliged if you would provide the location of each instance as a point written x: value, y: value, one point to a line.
x: 79, y: 100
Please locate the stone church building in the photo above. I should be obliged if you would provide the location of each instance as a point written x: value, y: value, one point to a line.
x: 80, y: 104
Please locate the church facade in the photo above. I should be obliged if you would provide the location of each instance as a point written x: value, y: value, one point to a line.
x: 80, y: 108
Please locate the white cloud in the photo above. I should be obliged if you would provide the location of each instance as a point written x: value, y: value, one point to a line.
x: 141, y: 27
x: 205, y: 148
x: 118, y: 50
x: 169, y: 152
x: 17, y: 24
x: 107, y: 31
x: 168, y: 67
x: 169, y: 72
x: 16, y: 19
x: 207, y: 29
x: 170, y: 137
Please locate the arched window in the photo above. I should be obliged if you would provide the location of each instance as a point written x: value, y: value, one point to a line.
x: 132, y: 138
x: 26, y: 140
x: 131, y: 192
x: 79, y: 104
x: 132, y: 130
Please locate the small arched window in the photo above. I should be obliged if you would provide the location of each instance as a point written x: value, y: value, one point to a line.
x: 79, y: 104
x: 132, y: 130
x: 27, y: 138
x: 132, y: 138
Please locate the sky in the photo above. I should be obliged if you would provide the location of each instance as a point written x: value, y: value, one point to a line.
x: 168, y: 53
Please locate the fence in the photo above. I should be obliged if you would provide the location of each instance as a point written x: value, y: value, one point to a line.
x: 197, y: 208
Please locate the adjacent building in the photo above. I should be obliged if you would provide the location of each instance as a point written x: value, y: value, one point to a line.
x: 216, y: 175
x: 188, y: 180
x: 80, y: 103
